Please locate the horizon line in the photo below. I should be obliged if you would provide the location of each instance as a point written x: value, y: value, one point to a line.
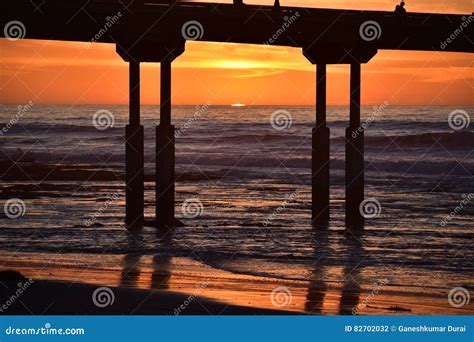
x: 233, y: 104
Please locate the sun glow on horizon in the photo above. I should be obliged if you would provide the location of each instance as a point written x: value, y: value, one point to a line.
x: 49, y: 72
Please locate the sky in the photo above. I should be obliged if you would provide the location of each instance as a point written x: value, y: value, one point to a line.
x: 77, y: 73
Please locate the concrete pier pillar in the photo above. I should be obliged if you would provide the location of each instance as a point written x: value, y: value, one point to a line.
x: 134, y: 168
x: 354, y: 155
x: 165, y: 153
x: 320, y: 153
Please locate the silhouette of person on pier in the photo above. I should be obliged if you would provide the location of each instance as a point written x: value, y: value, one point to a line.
x: 277, y: 3
x: 400, y: 9
x: 238, y: 2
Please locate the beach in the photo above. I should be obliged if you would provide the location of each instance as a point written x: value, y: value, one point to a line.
x: 249, y: 246
x: 186, y: 287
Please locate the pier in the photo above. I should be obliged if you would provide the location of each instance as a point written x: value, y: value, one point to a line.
x: 157, y: 31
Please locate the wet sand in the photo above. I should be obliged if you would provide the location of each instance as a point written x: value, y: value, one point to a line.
x: 65, y: 298
x: 182, y: 286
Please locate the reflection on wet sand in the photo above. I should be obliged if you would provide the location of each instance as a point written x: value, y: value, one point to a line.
x: 161, y: 274
x: 131, y: 270
x: 162, y: 262
x: 351, y: 290
x: 317, y: 286
x: 337, y: 282
x: 131, y: 262
x: 351, y: 244
x: 330, y: 251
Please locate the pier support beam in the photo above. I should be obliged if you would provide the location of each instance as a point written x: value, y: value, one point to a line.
x: 321, y: 55
x: 163, y: 52
x: 134, y: 168
x: 165, y: 153
x: 354, y: 155
x: 320, y: 154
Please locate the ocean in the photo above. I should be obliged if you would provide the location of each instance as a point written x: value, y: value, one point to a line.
x: 248, y: 177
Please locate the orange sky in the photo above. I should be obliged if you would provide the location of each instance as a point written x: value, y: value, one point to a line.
x: 58, y: 72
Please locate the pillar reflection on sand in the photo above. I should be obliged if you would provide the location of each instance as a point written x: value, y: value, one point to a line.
x: 317, y: 286
x: 162, y: 262
x: 350, y: 294
x: 131, y: 262
x: 330, y: 252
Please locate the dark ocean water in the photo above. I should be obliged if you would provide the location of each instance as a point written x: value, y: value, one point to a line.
x: 251, y: 183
